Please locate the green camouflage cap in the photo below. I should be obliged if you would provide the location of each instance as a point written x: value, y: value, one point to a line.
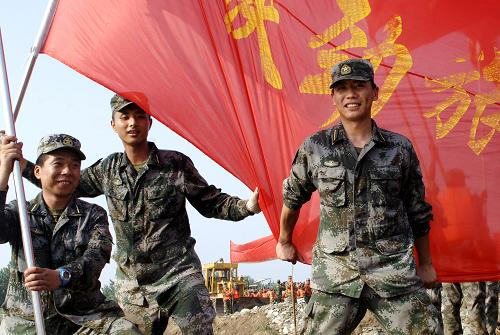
x: 54, y: 142
x: 118, y: 103
x: 355, y: 69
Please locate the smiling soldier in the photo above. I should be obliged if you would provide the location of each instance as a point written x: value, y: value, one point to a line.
x: 372, y: 213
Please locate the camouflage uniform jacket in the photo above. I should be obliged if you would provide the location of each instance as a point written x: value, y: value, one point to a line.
x: 148, y: 210
x: 371, y: 207
x: 80, y: 241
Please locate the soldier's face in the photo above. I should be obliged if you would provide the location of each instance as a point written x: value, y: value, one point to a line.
x: 354, y: 99
x: 132, y: 125
x: 59, y: 173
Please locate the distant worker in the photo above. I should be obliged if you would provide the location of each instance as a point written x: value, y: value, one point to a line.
x: 372, y: 214
x: 227, y: 297
x: 290, y: 289
x: 307, y: 290
x: 279, y: 292
x: 236, y: 298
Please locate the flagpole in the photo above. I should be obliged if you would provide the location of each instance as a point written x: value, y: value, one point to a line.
x: 43, y: 31
x: 19, y: 187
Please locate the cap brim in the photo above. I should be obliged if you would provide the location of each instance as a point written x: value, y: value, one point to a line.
x: 123, y: 106
x: 360, y: 78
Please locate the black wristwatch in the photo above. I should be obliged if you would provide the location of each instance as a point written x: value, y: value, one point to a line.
x: 65, y: 276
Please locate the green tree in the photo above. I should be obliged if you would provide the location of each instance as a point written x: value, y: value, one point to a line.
x: 109, y: 290
x: 249, y: 280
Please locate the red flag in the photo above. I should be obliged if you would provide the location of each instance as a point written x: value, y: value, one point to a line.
x: 247, y: 80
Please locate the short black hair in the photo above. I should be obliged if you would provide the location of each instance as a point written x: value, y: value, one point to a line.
x: 128, y: 107
x: 372, y: 82
x: 41, y: 159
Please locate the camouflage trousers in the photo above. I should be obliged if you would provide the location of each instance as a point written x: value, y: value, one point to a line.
x: 435, y: 295
x: 187, y: 302
x: 491, y: 306
x: 408, y: 314
x: 111, y: 323
x: 463, y: 308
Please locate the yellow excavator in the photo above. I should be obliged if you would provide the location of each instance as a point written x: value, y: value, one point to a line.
x: 220, y: 274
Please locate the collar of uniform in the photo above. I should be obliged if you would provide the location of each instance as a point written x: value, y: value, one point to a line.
x: 338, y: 133
x: 377, y: 134
x: 153, y: 158
x: 38, y: 207
x: 72, y: 209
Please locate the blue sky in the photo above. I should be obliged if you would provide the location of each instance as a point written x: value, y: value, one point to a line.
x: 59, y: 100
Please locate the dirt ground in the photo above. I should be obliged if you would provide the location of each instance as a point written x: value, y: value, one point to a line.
x: 248, y: 324
x: 258, y: 324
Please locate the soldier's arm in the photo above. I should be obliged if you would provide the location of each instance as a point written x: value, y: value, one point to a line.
x: 425, y: 269
x: 297, y: 190
x: 419, y: 214
x: 209, y: 200
x: 9, y: 221
x: 91, y: 181
x: 285, y: 250
x: 418, y: 210
x: 86, y: 269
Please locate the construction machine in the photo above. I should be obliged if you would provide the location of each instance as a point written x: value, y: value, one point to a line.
x: 220, y: 275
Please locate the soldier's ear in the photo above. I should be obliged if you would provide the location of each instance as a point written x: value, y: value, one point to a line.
x: 375, y: 93
x: 38, y: 172
x: 112, y: 123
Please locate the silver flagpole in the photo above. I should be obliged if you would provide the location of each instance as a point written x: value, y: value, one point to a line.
x: 43, y: 31
x: 21, y: 198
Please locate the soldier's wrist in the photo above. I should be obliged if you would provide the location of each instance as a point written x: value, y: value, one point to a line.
x: 284, y: 241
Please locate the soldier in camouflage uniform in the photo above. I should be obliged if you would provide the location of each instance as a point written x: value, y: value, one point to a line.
x: 491, y: 306
x: 463, y: 308
x: 372, y: 213
x: 71, y: 243
x: 158, y: 271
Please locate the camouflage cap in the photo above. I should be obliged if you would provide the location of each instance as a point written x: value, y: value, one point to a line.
x: 355, y: 69
x: 54, y: 142
x: 118, y: 103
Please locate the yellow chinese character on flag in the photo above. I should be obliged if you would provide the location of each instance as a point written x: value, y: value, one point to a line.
x: 354, y: 11
x: 256, y: 12
x: 463, y: 98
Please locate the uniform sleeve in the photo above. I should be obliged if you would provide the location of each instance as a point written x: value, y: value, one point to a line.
x: 91, y: 180
x: 298, y: 187
x: 418, y: 210
x: 208, y: 199
x: 9, y: 220
x: 85, y: 270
